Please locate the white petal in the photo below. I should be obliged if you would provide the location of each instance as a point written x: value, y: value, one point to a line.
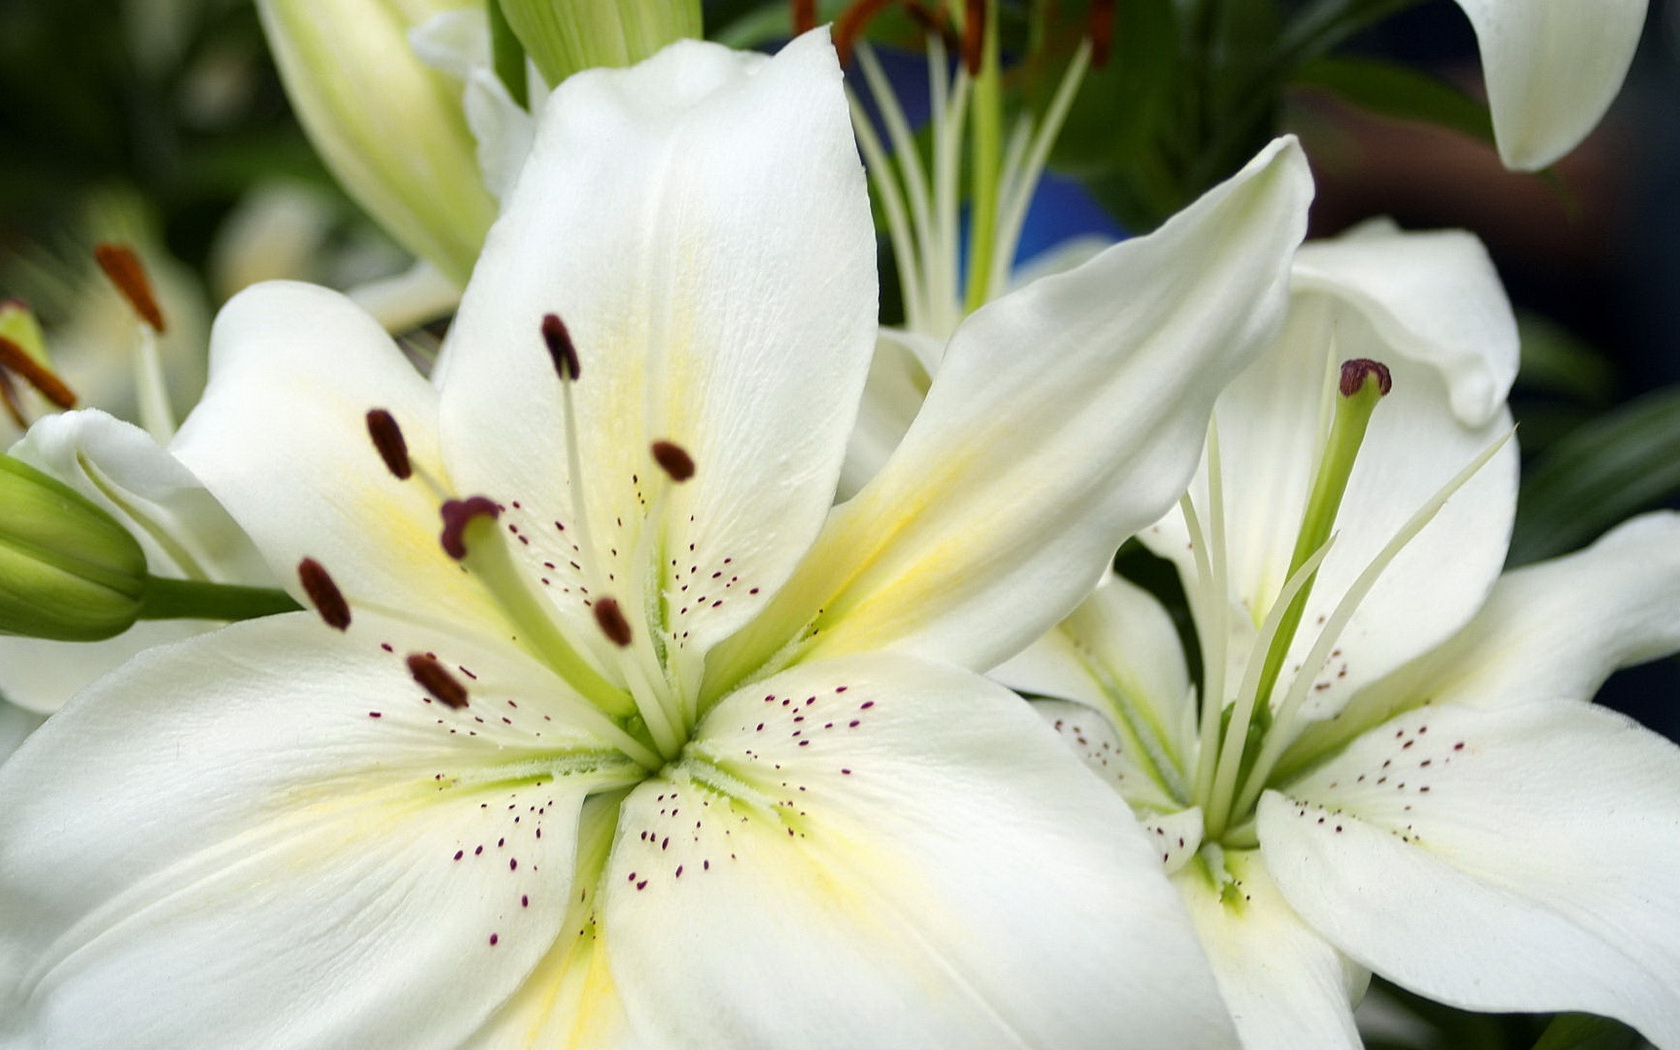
x: 40, y: 675
x: 1552, y: 67
x: 1283, y: 984
x: 873, y: 851
x: 264, y: 837
x: 1558, y: 629
x: 1272, y: 425
x: 1064, y: 416
x: 1520, y: 859
x: 281, y: 439
x: 700, y: 224
x: 892, y: 395
x: 1554, y: 630
x: 1434, y: 296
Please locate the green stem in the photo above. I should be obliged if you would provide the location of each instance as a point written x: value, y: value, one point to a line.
x: 1361, y: 390
x: 986, y: 105
x: 170, y: 599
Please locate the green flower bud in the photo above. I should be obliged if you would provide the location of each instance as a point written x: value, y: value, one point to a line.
x: 392, y: 130
x: 68, y: 570
x: 562, y: 38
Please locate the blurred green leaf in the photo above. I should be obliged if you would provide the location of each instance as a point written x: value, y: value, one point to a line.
x: 1622, y: 462
x: 1555, y: 361
x: 1586, y: 1032
x: 1397, y: 91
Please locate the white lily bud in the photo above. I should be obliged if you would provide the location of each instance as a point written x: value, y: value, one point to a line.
x: 392, y: 130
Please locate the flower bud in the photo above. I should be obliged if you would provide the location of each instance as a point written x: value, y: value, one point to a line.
x: 68, y: 570
x: 566, y: 37
x: 393, y: 131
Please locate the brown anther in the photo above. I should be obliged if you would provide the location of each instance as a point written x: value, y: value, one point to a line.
x: 388, y: 439
x: 803, y: 15
x: 560, y: 348
x: 974, y: 35
x: 674, y: 459
x: 612, y: 622
x: 324, y: 594
x: 14, y: 359
x: 1356, y: 372
x: 848, y: 28
x: 123, y: 267
x: 457, y: 515
x: 1101, y: 28
x: 431, y: 676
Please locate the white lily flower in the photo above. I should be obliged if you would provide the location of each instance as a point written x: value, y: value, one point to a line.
x: 1552, y: 68
x: 1423, y: 794
x: 656, y: 748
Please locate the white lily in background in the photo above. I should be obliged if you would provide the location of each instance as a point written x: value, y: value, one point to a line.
x: 184, y: 533
x: 1552, y: 68
x: 1410, y: 782
x: 654, y: 747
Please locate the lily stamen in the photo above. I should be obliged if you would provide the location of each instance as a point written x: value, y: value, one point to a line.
x: 431, y: 676
x: 324, y: 594
x: 388, y: 440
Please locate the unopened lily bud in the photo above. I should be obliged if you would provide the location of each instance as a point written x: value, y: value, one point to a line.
x: 567, y: 37
x: 68, y: 570
x: 392, y: 130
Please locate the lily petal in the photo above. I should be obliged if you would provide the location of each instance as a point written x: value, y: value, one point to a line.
x: 1092, y: 737
x: 1435, y: 297
x: 892, y: 395
x: 877, y: 848
x: 727, y: 307
x: 258, y: 881
x: 1552, y: 68
x: 1284, y: 985
x: 16, y: 723
x: 1561, y: 627
x: 1064, y: 416
x: 1543, y: 837
x: 281, y: 439
x: 1556, y: 629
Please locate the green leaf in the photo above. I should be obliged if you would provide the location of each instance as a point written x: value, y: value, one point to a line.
x: 1622, y: 462
x: 1586, y: 1032
x: 1397, y: 91
x: 1123, y: 106
x: 1556, y: 362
